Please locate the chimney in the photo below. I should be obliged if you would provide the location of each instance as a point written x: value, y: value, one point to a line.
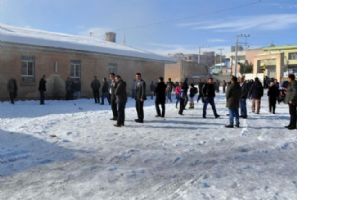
x: 110, y: 36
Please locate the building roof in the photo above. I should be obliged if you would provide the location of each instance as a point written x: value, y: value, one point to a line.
x: 28, y: 36
x: 284, y: 47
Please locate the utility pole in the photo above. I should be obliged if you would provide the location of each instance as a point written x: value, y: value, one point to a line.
x: 220, y: 55
x: 199, y: 53
x: 236, y: 52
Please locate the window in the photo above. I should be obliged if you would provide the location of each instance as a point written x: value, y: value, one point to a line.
x: 28, y: 66
x: 112, y: 68
x: 75, y: 69
x: 292, y: 56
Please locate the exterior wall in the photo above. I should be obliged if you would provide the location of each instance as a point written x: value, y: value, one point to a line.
x: 92, y: 64
x: 181, y: 70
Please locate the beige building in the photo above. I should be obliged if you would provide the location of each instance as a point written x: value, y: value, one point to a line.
x: 27, y: 54
x: 183, y: 69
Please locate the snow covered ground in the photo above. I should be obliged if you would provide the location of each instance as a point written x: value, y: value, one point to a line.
x: 71, y: 150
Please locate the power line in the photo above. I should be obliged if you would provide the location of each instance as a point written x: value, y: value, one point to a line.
x: 191, y: 17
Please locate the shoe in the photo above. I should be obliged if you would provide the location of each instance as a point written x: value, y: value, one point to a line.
x: 115, y: 118
x: 157, y: 115
x: 217, y: 116
x: 287, y: 126
x: 181, y: 114
x: 237, y: 125
x: 204, y: 117
x: 292, y: 127
x: 117, y: 125
x: 229, y: 126
x: 138, y: 121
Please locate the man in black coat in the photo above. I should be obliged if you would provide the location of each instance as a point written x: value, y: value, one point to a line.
x: 95, y: 86
x: 200, y: 85
x: 112, y: 90
x: 243, y: 98
x: 273, y: 94
x: 68, y: 89
x: 12, y: 89
x: 209, y: 92
x: 105, y: 92
x: 42, y: 88
x: 256, y: 92
x: 160, y: 91
x: 140, y: 97
x: 121, y: 100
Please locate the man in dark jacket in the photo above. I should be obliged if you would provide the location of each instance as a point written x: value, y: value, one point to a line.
x: 233, y: 95
x: 112, y: 90
x: 224, y: 85
x: 42, y: 89
x: 68, y: 89
x: 121, y: 100
x: 273, y: 94
x: 193, y: 92
x: 160, y: 90
x: 152, y: 89
x: 291, y: 100
x: 12, y: 89
x: 95, y: 86
x: 200, y: 85
x: 243, y: 98
x: 208, y: 92
x: 140, y: 97
x: 256, y: 92
x: 105, y: 92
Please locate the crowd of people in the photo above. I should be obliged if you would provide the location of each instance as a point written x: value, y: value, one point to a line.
x: 237, y: 91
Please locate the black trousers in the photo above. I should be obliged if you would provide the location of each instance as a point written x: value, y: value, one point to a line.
x: 272, y: 105
x: 41, y: 97
x: 157, y: 107
x: 293, y: 114
x: 114, y: 107
x: 97, y: 96
x: 121, y: 105
x: 139, y: 108
x: 182, y: 105
x: 12, y: 97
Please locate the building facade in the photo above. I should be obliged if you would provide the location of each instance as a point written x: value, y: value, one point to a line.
x: 181, y: 70
x: 27, y: 54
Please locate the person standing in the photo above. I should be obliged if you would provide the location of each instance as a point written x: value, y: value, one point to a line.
x: 233, y: 96
x: 209, y: 92
x: 160, y: 97
x: 182, y: 99
x: 200, y: 85
x: 184, y: 91
x: 140, y: 97
x: 224, y: 85
x: 121, y: 100
x: 178, y: 93
x: 152, y: 89
x: 256, y: 92
x: 112, y: 90
x: 12, y: 89
x: 272, y: 93
x: 68, y: 89
x: 95, y: 86
x: 105, y: 92
x: 169, y: 89
x: 291, y: 100
x: 193, y: 92
x: 42, y: 89
x: 243, y: 98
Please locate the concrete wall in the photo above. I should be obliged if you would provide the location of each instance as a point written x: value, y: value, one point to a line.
x: 92, y: 64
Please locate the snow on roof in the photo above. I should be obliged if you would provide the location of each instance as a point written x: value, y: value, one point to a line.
x: 42, y: 38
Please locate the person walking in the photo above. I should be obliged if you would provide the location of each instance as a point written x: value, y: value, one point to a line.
x: 193, y: 92
x: 243, y: 98
x: 95, y: 86
x: 112, y: 90
x: 233, y: 95
x: 121, y: 100
x: 12, y: 89
x: 209, y: 92
x: 160, y: 95
x: 42, y: 89
x: 185, y: 90
x: 256, y: 92
x: 224, y: 85
x: 291, y: 100
x: 178, y: 93
x: 105, y: 92
x: 273, y: 94
x: 140, y: 97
